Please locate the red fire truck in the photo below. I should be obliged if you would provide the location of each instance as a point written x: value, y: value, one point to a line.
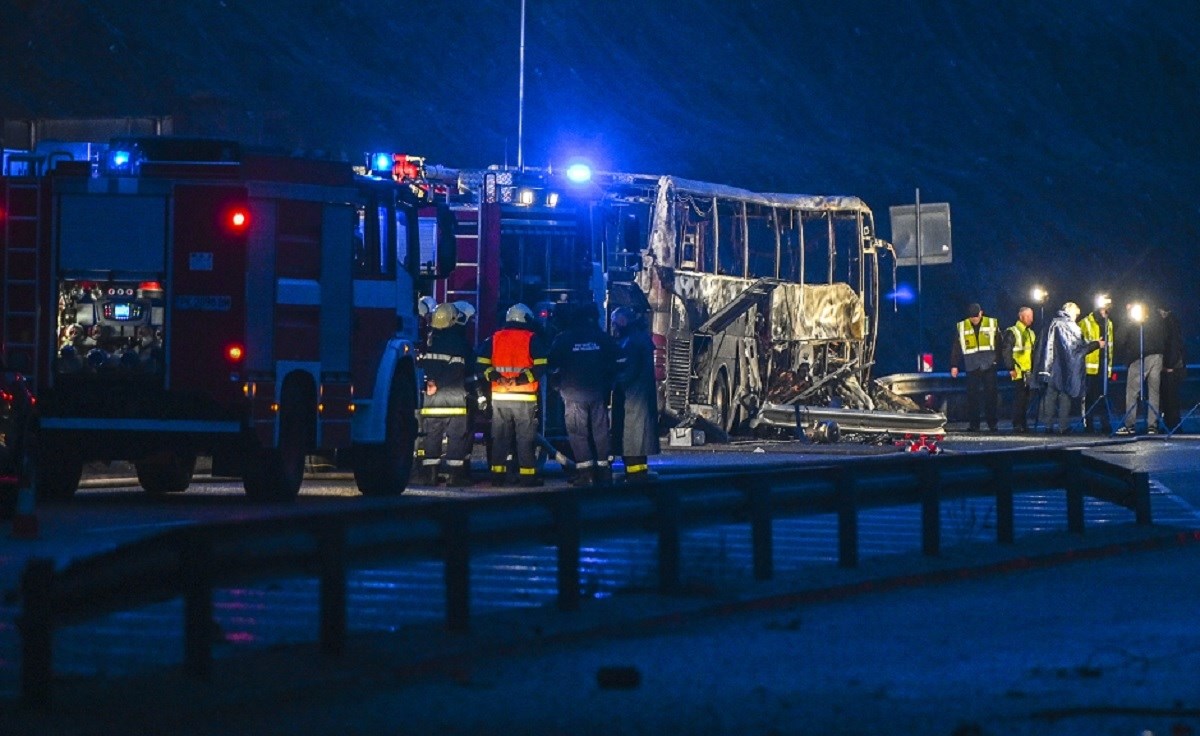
x: 172, y: 297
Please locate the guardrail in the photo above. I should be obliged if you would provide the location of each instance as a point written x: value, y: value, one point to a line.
x: 190, y: 562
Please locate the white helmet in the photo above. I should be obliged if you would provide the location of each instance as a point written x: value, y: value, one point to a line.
x: 519, y: 313
x: 426, y: 305
x: 465, y: 311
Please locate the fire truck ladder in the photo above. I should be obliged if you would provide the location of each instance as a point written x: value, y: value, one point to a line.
x: 21, y: 291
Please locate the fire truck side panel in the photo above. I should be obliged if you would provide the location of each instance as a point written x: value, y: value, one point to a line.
x: 207, y: 293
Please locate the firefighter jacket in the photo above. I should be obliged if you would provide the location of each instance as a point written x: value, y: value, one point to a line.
x: 1018, y: 350
x: 635, y: 403
x: 583, y: 363
x: 513, y: 361
x: 976, y: 344
x: 1059, y: 359
x: 1098, y: 328
x: 447, y: 362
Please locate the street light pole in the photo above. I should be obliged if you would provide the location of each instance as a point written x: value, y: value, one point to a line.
x: 521, y: 97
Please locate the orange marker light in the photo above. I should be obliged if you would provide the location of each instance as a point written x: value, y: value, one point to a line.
x: 234, y: 353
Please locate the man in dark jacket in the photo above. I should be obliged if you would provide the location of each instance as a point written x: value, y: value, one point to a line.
x: 635, y: 400
x: 1174, y: 367
x: 446, y: 363
x: 1061, y: 368
x: 583, y: 364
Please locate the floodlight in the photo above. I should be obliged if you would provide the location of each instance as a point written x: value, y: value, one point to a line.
x: 1039, y: 295
x: 1137, y: 312
x: 1103, y: 301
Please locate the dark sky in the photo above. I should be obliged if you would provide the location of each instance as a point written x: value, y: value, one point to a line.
x: 1063, y: 135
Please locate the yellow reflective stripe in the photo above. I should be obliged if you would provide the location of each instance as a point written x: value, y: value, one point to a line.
x: 483, y: 360
x: 541, y: 361
x: 528, y: 471
x: 443, y: 411
x: 499, y: 468
x: 529, y: 375
x: 636, y: 468
x: 514, y: 397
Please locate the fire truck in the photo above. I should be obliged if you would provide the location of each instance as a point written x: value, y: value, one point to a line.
x: 763, y: 307
x: 172, y: 297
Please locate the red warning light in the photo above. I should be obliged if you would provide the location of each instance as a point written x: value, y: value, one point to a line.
x: 234, y: 353
x: 239, y: 219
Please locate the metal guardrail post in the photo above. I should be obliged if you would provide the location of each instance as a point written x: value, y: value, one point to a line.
x: 1074, y: 485
x: 455, y: 530
x: 567, y: 536
x: 847, y: 513
x: 930, y: 483
x: 331, y: 554
x: 195, y: 573
x: 670, y: 521
x: 1003, y: 487
x: 37, y: 633
x: 1139, y: 486
x: 762, y: 541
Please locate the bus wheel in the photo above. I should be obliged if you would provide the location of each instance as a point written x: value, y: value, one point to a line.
x: 58, y: 469
x: 275, y: 474
x: 169, y: 471
x: 383, y: 469
x: 722, y: 412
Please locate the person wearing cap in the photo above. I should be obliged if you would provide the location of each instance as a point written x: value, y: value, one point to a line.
x: 513, y: 361
x: 1096, y: 326
x: 447, y: 363
x: 1017, y: 355
x: 1060, y: 367
x: 583, y: 362
x: 975, y: 346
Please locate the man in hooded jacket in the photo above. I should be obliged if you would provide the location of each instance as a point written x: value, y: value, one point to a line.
x: 635, y: 399
x: 1061, y: 368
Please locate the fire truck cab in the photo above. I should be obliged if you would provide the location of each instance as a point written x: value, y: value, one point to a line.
x: 180, y: 297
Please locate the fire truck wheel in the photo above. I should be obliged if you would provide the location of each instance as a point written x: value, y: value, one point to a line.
x: 169, y: 471
x: 58, y: 469
x: 275, y: 473
x: 383, y: 469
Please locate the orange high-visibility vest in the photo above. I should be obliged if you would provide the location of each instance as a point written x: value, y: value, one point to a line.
x: 511, y: 357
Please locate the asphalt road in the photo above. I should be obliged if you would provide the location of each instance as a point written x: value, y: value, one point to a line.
x: 1060, y: 635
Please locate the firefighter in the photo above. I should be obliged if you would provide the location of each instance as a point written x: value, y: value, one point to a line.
x: 1017, y: 355
x: 426, y: 306
x: 513, y: 361
x: 583, y: 362
x: 976, y: 341
x: 1098, y: 326
x: 635, y: 400
x: 446, y: 363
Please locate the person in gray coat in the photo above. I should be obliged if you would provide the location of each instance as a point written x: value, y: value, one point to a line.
x: 1061, y: 368
x: 635, y: 398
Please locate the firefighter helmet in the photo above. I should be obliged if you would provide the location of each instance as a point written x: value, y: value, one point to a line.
x: 519, y: 313
x: 444, y: 316
x: 426, y: 305
x: 465, y: 312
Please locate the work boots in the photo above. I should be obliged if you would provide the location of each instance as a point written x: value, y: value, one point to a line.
x: 603, y: 475
x: 583, y: 477
x: 458, y: 476
x: 427, y: 474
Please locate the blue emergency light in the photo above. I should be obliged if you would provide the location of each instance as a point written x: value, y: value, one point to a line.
x: 381, y: 162
x: 579, y: 173
x: 119, y: 160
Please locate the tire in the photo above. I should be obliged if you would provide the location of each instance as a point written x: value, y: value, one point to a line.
x: 383, y: 469
x: 275, y: 473
x: 722, y: 411
x: 58, y: 467
x: 166, y: 472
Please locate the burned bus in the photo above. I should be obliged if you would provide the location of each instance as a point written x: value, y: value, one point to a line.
x: 763, y: 307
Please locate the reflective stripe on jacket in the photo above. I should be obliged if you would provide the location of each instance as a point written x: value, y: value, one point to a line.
x: 1090, y: 327
x: 512, y: 357
x: 1022, y: 349
x: 972, y: 342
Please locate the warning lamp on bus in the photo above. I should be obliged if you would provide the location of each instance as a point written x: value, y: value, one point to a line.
x: 579, y: 173
x: 234, y: 353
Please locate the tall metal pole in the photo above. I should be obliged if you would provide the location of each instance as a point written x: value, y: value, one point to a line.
x: 920, y: 313
x: 521, y: 97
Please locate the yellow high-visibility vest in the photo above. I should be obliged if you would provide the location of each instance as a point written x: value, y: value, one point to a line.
x: 985, y: 340
x: 1090, y: 327
x: 1022, y: 349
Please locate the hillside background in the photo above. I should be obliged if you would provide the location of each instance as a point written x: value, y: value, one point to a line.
x: 1065, y: 136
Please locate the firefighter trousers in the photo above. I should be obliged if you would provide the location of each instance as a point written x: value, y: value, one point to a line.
x: 588, y: 431
x: 514, y: 432
x: 444, y: 416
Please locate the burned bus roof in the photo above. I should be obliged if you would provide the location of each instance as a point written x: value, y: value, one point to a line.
x: 648, y: 183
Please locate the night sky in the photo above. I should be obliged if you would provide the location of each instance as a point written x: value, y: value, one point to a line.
x: 1063, y: 135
